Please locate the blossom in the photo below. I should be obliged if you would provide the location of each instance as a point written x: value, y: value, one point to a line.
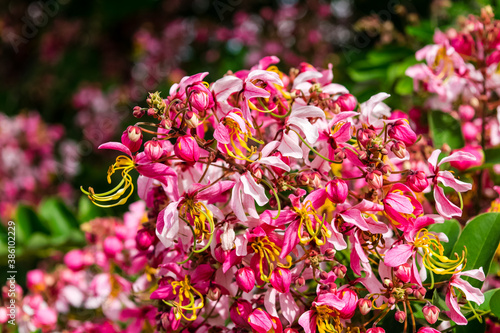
x: 471, y: 294
x: 444, y: 206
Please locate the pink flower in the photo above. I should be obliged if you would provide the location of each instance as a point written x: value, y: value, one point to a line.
x: 112, y: 246
x: 239, y: 312
x: 132, y: 138
x: 35, y: 280
x: 471, y: 294
x: 153, y: 150
x: 376, y: 330
x: 428, y: 330
x: 463, y: 165
x: 444, y: 206
x: 346, y: 102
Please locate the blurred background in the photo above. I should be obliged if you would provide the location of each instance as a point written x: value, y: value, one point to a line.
x: 72, y: 70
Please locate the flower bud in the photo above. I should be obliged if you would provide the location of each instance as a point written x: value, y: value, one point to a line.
x: 112, y: 246
x: 351, y: 300
x: 431, y: 313
x: 330, y: 253
x: 239, y: 312
x: 340, y: 271
x: 144, y: 238
x: 417, y: 181
x: 214, y: 293
x: 475, y: 150
x: 290, y: 330
x: 156, y: 102
x: 300, y: 281
x: 245, y: 278
x: 323, y: 275
x: 387, y: 283
x: 74, y: 260
x: 386, y: 170
x: 153, y: 150
x: 132, y: 138
x: 403, y: 272
x: 200, y: 98
x: 400, y: 316
x: 391, y: 300
x: 138, y: 112
x: 419, y: 293
x: 399, y: 149
x: 466, y: 112
x: 400, y: 130
x: 375, y: 179
x: 281, y: 278
x: 347, y: 102
x: 364, y: 305
x: 337, y: 191
x: 187, y: 149
x: 428, y: 330
x: 192, y: 120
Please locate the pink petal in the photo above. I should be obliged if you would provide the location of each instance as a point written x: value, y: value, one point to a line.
x: 306, y: 111
x: 223, y: 88
x: 289, y: 308
x: 215, y: 190
x: 458, y: 156
x: 433, y: 160
x: 454, y: 312
x: 221, y: 134
x: 308, y: 322
x: 449, y: 180
x: 251, y: 187
x: 289, y: 145
x: 116, y: 146
x: 444, y: 206
x: 399, y: 202
x: 267, y: 76
x: 398, y: 255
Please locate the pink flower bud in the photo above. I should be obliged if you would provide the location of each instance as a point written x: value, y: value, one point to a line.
x: 192, y: 119
x: 262, y: 322
x: 399, y: 149
x: 417, y: 181
x: 75, y: 260
x: 138, y: 112
x: 153, y: 150
x: 35, y: 280
x: 132, y: 138
x: 200, y: 97
x: 340, y: 271
x: 330, y: 253
x: 281, y: 278
x: 400, y: 130
x: 112, y: 246
x: 239, y: 312
x: 337, y: 191
x: 466, y: 112
x: 375, y: 179
x: 187, y: 149
x: 214, y: 293
x: 365, y: 306
x: 403, y: 272
x: 420, y: 293
x: 300, y: 281
x: 431, y: 313
x: 290, y: 330
x: 470, y: 131
x: 464, y: 165
x: 376, y: 330
x: 144, y: 239
x: 245, y: 278
x: 347, y: 102
x: 400, y: 316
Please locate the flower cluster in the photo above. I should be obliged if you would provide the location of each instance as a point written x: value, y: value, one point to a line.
x: 277, y: 202
x: 460, y: 76
x: 30, y: 166
x: 98, y: 288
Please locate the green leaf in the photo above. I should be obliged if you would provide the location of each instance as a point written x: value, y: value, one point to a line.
x: 57, y: 217
x: 37, y: 241
x: 25, y: 219
x: 404, y: 86
x: 494, y: 303
x: 445, y: 129
x: 451, y: 229
x: 481, y: 237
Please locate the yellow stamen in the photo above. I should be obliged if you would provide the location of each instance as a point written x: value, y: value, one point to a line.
x: 270, y: 252
x: 319, y: 228
x: 186, y: 292
x: 119, y: 192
